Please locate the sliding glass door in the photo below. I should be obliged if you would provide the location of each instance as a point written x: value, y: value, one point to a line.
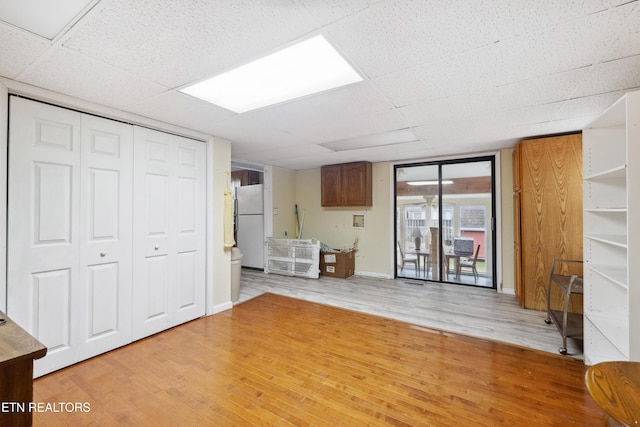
x: 445, y: 221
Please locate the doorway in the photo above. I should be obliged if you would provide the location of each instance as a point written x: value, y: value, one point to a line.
x: 445, y: 221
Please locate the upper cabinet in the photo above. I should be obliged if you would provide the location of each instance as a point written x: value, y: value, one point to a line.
x: 246, y: 177
x: 611, y: 227
x: 347, y: 184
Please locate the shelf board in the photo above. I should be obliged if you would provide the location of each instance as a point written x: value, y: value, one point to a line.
x: 616, y: 275
x: 612, y: 209
x: 618, y: 172
x: 616, y: 331
x: 563, y: 281
x: 619, y: 240
x: 574, y: 327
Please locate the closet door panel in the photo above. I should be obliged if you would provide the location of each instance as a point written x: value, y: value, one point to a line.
x: 190, y: 229
x: 52, y: 306
x: 154, y: 265
x: 43, y: 227
x: 169, y: 269
x: 106, y: 235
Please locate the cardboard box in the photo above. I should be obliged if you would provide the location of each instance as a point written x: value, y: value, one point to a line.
x: 337, y: 264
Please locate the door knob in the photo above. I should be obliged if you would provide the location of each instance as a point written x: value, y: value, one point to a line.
x: 103, y: 254
x: 156, y: 247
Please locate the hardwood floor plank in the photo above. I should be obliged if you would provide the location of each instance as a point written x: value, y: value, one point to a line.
x: 468, y: 310
x: 274, y: 360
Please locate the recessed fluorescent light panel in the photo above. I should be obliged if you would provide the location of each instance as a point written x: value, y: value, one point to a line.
x: 308, y: 67
x: 399, y: 136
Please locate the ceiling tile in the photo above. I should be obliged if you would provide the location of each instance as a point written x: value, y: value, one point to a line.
x: 182, y: 110
x: 628, y: 42
x: 178, y: 42
x: 516, y: 60
x: 327, y: 11
x: 621, y: 74
x: 18, y: 50
x: 312, y: 115
x: 393, y: 36
x: 589, y: 106
x: 463, y: 76
x: 91, y: 80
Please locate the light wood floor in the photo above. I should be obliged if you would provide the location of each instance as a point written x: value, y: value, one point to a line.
x: 468, y: 310
x: 274, y: 360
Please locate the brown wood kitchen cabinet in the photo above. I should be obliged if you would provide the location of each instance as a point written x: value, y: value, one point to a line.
x: 246, y: 177
x: 347, y: 184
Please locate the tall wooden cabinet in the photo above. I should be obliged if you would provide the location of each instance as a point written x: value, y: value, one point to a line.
x: 347, y: 184
x: 548, y: 214
x: 611, y: 230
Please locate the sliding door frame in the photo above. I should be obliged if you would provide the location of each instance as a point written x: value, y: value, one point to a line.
x: 495, y: 214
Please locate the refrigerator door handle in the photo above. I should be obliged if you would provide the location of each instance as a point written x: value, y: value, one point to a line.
x: 235, y: 215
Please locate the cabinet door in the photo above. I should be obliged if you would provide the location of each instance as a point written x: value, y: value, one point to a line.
x: 356, y: 184
x: 551, y: 213
x: 331, y: 185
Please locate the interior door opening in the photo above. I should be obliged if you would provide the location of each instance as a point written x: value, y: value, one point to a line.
x: 445, y: 221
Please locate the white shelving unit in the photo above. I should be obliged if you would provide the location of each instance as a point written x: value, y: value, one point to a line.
x: 611, y: 162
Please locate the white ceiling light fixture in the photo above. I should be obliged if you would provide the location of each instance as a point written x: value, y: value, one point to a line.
x: 306, y: 68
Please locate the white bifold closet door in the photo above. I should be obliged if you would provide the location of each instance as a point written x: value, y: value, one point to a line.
x: 169, y: 233
x: 69, y: 231
x: 106, y: 231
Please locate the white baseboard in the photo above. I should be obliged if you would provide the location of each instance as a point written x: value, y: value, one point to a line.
x: 374, y: 275
x: 508, y: 291
x: 222, y: 307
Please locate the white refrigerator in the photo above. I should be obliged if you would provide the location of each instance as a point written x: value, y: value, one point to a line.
x: 249, y: 211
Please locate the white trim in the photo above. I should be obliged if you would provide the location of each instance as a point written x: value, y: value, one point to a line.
x: 268, y: 201
x: 497, y: 193
x: 4, y: 116
x: 222, y: 307
x: 373, y: 275
x: 508, y: 291
x: 443, y: 158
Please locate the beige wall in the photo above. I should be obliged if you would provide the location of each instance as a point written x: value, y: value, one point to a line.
x: 219, y: 273
x: 284, y: 200
x: 333, y: 226
x: 374, y: 257
x: 507, y: 240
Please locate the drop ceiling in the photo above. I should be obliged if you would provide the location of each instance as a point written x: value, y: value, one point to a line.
x: 451, y: 77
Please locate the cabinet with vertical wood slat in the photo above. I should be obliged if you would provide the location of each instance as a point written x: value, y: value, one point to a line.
x: 347, y: 184
x: 548, y: 215
x: 611, y: 228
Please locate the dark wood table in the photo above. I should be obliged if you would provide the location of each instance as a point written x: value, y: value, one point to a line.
x: 615, y: 386
x: 18, y: 350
